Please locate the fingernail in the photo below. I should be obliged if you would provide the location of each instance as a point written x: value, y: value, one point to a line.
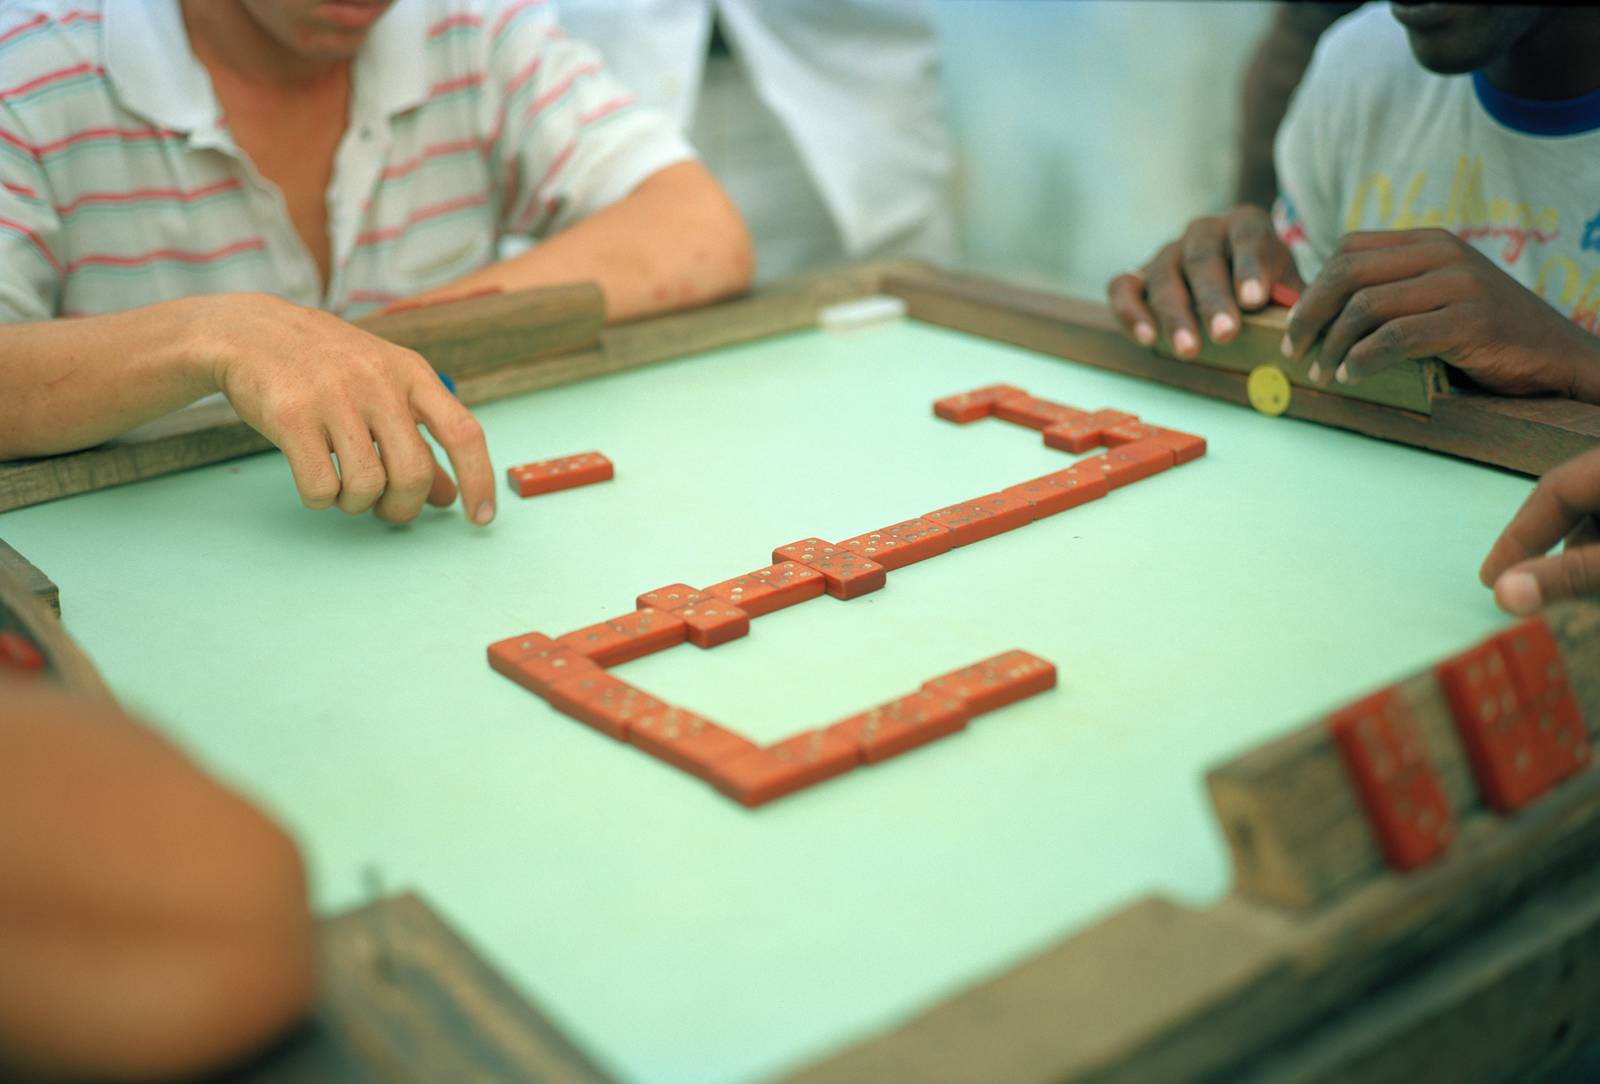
x: 1315, y: 372
x: 1184, y: 342
x: 1286, y: 348
x: 1342, y: 374
x: 1518, y: 592
x: 1144, y: 333
x: 1222, y: 324
x: 1252, y: 292
x: 484, y: 514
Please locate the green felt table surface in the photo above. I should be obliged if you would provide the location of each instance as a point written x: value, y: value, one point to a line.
x: 333, y: 667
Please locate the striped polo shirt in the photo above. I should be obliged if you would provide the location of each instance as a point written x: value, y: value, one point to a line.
x: 470, y: 121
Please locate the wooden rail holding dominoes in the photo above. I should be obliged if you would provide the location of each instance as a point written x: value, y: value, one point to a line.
x: 1293, y: 818
x: 402, y: 999
x: 1527, y: 435
x: 1382, y: 979
x: 54, y: 656
x: 33, y: 580
x: 515, y: 353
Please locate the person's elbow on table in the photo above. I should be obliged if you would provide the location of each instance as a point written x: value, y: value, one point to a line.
x: 154, y: 924
x: 718, y: 239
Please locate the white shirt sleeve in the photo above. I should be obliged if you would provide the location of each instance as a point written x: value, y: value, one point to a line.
x: 568, y: 139
x: 1307, y: 211
x: 30, y: 232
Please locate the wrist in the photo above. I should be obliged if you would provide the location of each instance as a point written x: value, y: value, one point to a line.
x: 1584, y: 382
x: 211, y: 334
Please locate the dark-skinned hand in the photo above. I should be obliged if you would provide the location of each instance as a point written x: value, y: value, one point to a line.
x: 1388, y: 296
x: 1563, y: 508
x: 1222, y: 264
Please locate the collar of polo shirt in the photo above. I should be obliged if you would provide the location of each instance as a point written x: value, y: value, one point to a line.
x: 155, y: 73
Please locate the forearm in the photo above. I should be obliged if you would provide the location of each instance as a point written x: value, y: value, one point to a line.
x: 152, y: 923
x: 1270, y: 78
x: 69, y: 384
x: 674, y: 242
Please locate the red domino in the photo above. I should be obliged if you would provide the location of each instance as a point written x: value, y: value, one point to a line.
x: 1539, y: 674
x: 1134, y: 462
x: 1502, y: 740
x: 1383, y: 753
x: 966, y: 523
x: 708, y: 620
x: 925, y: 539
x: 1060, y: 491
x: 669, y: 597
x: 1087, y: 485
x: 536, y: 662
x: 1005, y: 512
x: 631, y: 636
x: 1128, y: 464
x: 878, y: 546
x: 1186, y: 447
x: 1036, y: 413
x: 1128, y: 433
x: 902, y: 544
x: 1088, y: 431
x: 804, y: 551
x: 969, y: 406
x: 551, y: 475
x: 602, y: 701
x: 769, y: 589
x: 845, y: 574
x: 650, y: 631
x: 801, y: 761
x: 989, y: 515
x: 712, y: 621
x: 995, y: 682
x: 902, y: 725
x: 1285, y: 295
x: 1516, y: 715
x: 17, y: 652
x: 688, y: 742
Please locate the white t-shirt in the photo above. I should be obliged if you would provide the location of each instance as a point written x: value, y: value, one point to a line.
x: 854, y: 83
x: 1374, y: 141
x: 120, y: 185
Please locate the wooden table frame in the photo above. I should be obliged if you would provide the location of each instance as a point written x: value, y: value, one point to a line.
x: 1319, y: 964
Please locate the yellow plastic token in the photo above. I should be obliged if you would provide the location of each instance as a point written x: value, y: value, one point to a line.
x: 1268, y: 388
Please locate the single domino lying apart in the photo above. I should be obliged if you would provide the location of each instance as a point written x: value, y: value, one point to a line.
x: 551, y: 475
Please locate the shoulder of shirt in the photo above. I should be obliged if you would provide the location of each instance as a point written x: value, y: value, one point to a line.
x: 47, y: 42
x: 34, y: 32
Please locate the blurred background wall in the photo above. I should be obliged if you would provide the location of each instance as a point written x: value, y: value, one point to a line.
x: 1088, y: 132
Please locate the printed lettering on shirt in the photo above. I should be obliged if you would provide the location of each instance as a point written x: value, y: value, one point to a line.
x: 1467, y: 211
x: 1591, y: 233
